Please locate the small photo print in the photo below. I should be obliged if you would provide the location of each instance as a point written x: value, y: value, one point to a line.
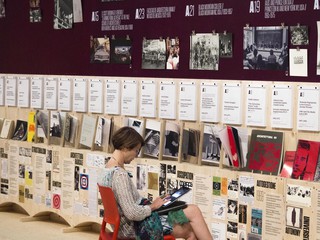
x: 63, y: 14
x: 120, y: 51
x: 225, y: 40
x: 294, y: 217
x: 299, y: 35
x: 2, y: 9
x: 100, y: 50
x: 204, y: 52
x: 173, y: 53
x: 153, y: 54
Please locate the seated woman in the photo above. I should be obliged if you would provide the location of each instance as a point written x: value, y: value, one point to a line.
x: 187, y: 223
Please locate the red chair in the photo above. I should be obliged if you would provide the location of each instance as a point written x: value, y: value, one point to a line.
x: 112, y: 216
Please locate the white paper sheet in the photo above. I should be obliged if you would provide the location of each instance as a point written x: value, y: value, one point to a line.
x: 23, y: 92
x: 187, y: 101
x: 2, y: 81
x: 148, y: 99
x: 129, y: 98
x: 281, y: 106
x: 298, y: 62
x: 11, y: 91
x: 256, y: 105
x: 50, y: 93
x: 36, y: 92
x: 308, y: 108
x: 209, y: 105
x: 167, y: 100
x: 64, y: 94
x: 80, y: 95
x: 95, y: 96
x: 112, y: 97
x: 231, y: 104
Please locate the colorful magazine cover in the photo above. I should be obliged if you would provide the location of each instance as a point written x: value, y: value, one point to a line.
x: 265, y: 154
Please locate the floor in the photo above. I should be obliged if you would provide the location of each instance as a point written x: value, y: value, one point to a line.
x: 12, y: 227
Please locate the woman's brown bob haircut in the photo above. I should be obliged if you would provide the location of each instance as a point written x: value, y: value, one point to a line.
x: 126, y: 137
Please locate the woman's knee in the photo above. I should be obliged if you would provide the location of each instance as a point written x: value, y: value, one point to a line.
x: 191, y: 211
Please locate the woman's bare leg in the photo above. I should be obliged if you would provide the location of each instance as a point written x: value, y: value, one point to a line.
x: 197, y: 222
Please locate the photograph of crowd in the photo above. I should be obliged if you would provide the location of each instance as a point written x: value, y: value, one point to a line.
x: 120, y: 50
x: 299, y: 35
x: 265, y: 48
x: 153, y: 54
x: 204, y: 51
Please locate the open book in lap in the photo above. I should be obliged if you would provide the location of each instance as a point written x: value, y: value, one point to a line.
x: 173, y: 204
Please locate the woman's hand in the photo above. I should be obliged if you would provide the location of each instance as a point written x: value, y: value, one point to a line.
x: 158, y: 202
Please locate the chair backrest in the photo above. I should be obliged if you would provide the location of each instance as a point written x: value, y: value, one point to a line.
x: 111, y: 212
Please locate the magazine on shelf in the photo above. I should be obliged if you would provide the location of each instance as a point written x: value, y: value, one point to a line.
x: 287, y: 164
x: 7, y: 129
x: 135, y: 123
x: 88, y: 128
x: 211, y: 145
x: 265, y: 153
x: 20, y: 132
x: 190, y: 145
x: 42, y: 118
x: 171, y: 140
x: 31, y: 132
x: 305, y: 161
x: 152, y: 138
x: 103, y: 132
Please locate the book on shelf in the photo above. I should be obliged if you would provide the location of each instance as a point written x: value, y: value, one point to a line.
x: 288, y: 160
x: 7, y: 129
x: 31, y: 127
x: 190, y: 145
x: 211, y: 145
x: 234, y: 142
x: 103, y: 132
x: 1, y: 123
x: 305, y: 161
x: 265, y: 152
x: 42, y: 123
x: 152, y: 138
x: 67, y: 127
x: 20, y: 132
x: 55, y: 124
x: 171, y: 140
x: 88, y: 129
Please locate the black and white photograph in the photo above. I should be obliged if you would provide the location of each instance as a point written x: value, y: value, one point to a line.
x: 4, y: 189
x: 226, y: 50
x: 298, y: 195
x: 135, y: 123
x: 294, y: 217
x: 35, y: 11
x: 232, y: 212
x: 242, y: 214
x: 172, y: 184
x: 55, y: 124
x: 21, y: 130
x: 232, y: 227
x: 299, y: 35
x: 246, y: 189
x: 152, y: 143
x: 173, y: 53
x: 190, y: 143
x: 120, y: 50
x: 211, y: 145
x: 265, y: 48
x: 63, y: 14
x: 204, y: 51
x: 162, y: 179
x: 2, y: 9
x: 171, y: 140
x: 141, y: 177
x: 100, y: 50
x: 153, y: 54
x: 21, y: 170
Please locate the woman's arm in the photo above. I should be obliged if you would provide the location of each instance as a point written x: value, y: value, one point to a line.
x: 128, y: 197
